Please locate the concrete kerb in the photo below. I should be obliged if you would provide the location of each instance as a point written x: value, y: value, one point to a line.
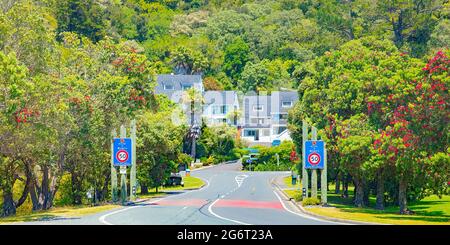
x: 304, y: 211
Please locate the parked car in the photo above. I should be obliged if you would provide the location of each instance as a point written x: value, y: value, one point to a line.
x: 175, y: 179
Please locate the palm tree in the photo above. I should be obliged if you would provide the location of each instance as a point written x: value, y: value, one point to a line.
x: 234, y: 116
x: 193, y: 97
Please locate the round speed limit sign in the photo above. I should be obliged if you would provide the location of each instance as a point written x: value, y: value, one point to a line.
x: 314, y: 158
x: 122, y: 156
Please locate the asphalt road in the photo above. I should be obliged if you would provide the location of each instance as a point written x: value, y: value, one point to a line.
x: 230, y: 197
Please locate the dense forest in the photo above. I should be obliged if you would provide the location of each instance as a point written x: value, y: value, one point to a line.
x: 71, y: 71
x: 248, y: 45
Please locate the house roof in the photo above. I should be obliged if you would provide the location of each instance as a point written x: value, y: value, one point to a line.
x: 221, y: 97
x: 177, y: 82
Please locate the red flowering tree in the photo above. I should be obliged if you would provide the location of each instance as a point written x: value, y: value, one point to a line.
x: 417, y: 114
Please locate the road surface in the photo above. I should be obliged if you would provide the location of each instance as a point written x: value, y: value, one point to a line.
x: 230, y: 197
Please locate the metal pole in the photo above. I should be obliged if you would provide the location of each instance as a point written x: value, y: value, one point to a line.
x: 114, y: 190
x: 314, y: 171
x: 304, y: 171
x: 133, y: 186
x: 323, y: 182
x: 123, y: 177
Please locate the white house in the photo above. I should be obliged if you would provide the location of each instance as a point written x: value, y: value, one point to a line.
x: 221, y: 107
x: 265, y: 117
x: 262, y: 118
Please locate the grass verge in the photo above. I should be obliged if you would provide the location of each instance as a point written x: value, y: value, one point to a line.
x: 190, y: 182
x: 59, y: 212
x: 429, y: 211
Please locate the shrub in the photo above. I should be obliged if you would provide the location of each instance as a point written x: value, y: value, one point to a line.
x: 203, y: 160
x: 311, y: 201
x: 298, y: 197
x: 184, y: 159
x: 210, y: 160
x: 64, y: 195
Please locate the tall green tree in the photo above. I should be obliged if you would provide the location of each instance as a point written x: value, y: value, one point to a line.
x: 236, y: 55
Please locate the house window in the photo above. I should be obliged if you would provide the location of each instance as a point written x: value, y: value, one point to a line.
x: 280, y: 116
x: 168, y: 87
x: 286, y: 103
x: 219, y: 109
x: 186, y: 86
x: 279, y: 130
x: 266, y: 132
x: 249, y: 133
x: 258, y: 108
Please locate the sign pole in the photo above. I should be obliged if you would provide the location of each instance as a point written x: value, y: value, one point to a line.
x: 323, y: 181
x: 314, y: 171
x: 133, y: 187
x: 114, y: 190
x: 123, y: 176
x: 304, y: 171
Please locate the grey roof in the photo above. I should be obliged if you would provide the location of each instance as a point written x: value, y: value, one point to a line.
x: 177, y: 81
x: 220, y: 97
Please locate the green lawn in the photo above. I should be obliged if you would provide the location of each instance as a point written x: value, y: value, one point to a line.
x: 190, y: 182
x: 58, y: 212
x: 430, y: 210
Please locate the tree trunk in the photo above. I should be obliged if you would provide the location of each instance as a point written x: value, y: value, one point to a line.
x: 9, y: 208
x: 345, y: 187
x: 366, y: 195
x: 34, y: 197
x: 398, y: 29
x: 192, y: 112
x: 402, y: 201
x: 359, y: 193
x: 103, y: 193
x: 45, y: 188
x: 24, y: 195
x: 144, y: 189
x: 380, y: 191
x: 32, y: 188
x: 76, y: 190
x: 337, y: 189
x: 193, y: 148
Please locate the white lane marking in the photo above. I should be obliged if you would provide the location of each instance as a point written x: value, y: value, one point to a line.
x: 223, y: 218
x: 302, y: 215
x: 102, y: 219
x: 240, y: 179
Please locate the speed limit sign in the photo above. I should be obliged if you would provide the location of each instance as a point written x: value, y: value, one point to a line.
x: 314, y: 156
x: 122, y: 156
x: 122, y: 152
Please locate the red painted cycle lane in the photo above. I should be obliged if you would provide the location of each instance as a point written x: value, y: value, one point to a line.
x: 248, y: 204
x: 222, y: 203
